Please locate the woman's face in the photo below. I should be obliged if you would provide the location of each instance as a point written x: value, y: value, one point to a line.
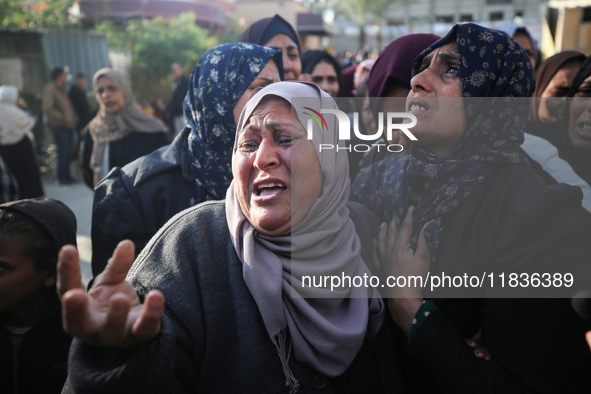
x: 325, y: 76
x: 440, y: 122
x: 268, y: 75
x: 270, y: 197
x: 579, y: 131
x: 551, y: 107
x: 525, y: 42
x: 292, y: 64
x: 109, y: 96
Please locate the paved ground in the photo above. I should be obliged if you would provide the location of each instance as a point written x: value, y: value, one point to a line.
x: 78, y: 197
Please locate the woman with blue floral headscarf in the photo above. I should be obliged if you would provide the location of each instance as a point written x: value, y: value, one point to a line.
x: 474, y: 210
x: 133, y: 202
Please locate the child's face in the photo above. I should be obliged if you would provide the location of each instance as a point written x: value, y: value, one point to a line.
x: 22, y: 286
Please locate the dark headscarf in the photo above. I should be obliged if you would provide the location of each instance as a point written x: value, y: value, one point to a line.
x: 218, y: 81
x: 490, y: 64
x: 579, y: 160
x: 582, y: 74
x: 347, y: 75
x: 263, y: 30
x: 311, y: 58
x: 394, y: 65
x: 546, y: 72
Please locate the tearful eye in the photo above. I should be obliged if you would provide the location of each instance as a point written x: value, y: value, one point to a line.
x: 285, y: 140
x: 247, y: 146
x: 453, y: 70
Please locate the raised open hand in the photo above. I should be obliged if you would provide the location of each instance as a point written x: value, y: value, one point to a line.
x: 111, y: 313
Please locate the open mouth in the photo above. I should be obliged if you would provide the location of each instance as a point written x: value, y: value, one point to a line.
x: 417, y: 105
x: 269, y: 189
x: 584, y: 130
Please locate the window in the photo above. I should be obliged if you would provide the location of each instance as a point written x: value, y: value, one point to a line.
x: 496, y: 16
x: 586, y: 14
x: 444, y: 18
x: 466, y: 18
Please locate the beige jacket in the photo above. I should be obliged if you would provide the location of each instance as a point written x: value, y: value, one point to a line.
x: 56, y: 105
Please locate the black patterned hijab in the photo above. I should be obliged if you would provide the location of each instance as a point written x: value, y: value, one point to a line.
x: 492, y: 67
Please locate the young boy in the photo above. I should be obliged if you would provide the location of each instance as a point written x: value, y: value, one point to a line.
x: 33, y: 346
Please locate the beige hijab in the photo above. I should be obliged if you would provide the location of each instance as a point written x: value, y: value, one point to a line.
x: 327, y: 328
x: 106, y: 127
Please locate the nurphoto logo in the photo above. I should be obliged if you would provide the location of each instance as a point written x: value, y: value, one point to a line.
x: 394, y: 121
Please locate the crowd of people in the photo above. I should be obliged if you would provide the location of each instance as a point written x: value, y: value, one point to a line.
x: 201, y: 247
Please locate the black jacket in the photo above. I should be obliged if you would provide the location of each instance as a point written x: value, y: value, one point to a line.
x: 121, y: 152
x: 41, y: 360
x: 181, y: 85
x: 80, y: 104
x: 512, y: 223
x: 133, y: 202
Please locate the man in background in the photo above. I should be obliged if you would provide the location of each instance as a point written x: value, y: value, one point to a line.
x: 79, y: 101
x: 62, y: 121
x: 175, y: 107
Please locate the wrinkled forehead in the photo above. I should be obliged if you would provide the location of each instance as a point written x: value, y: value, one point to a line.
x: 448, y: 50
x: 449, y: 39
x: 270, y: 104
x: 282, y: 42
x: 288, y: 92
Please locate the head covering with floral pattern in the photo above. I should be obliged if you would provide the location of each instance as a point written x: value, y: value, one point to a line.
x: 218, y: 81
x: 492, y: 68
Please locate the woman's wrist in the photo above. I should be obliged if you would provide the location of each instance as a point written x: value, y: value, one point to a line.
x: 403, y: 311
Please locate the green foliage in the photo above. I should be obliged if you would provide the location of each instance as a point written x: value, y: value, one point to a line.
x: 156, y: 44
x: 232, y: 32
x: 34, y: 14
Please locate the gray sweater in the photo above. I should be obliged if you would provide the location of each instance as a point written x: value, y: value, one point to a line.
x: 213, y: 338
